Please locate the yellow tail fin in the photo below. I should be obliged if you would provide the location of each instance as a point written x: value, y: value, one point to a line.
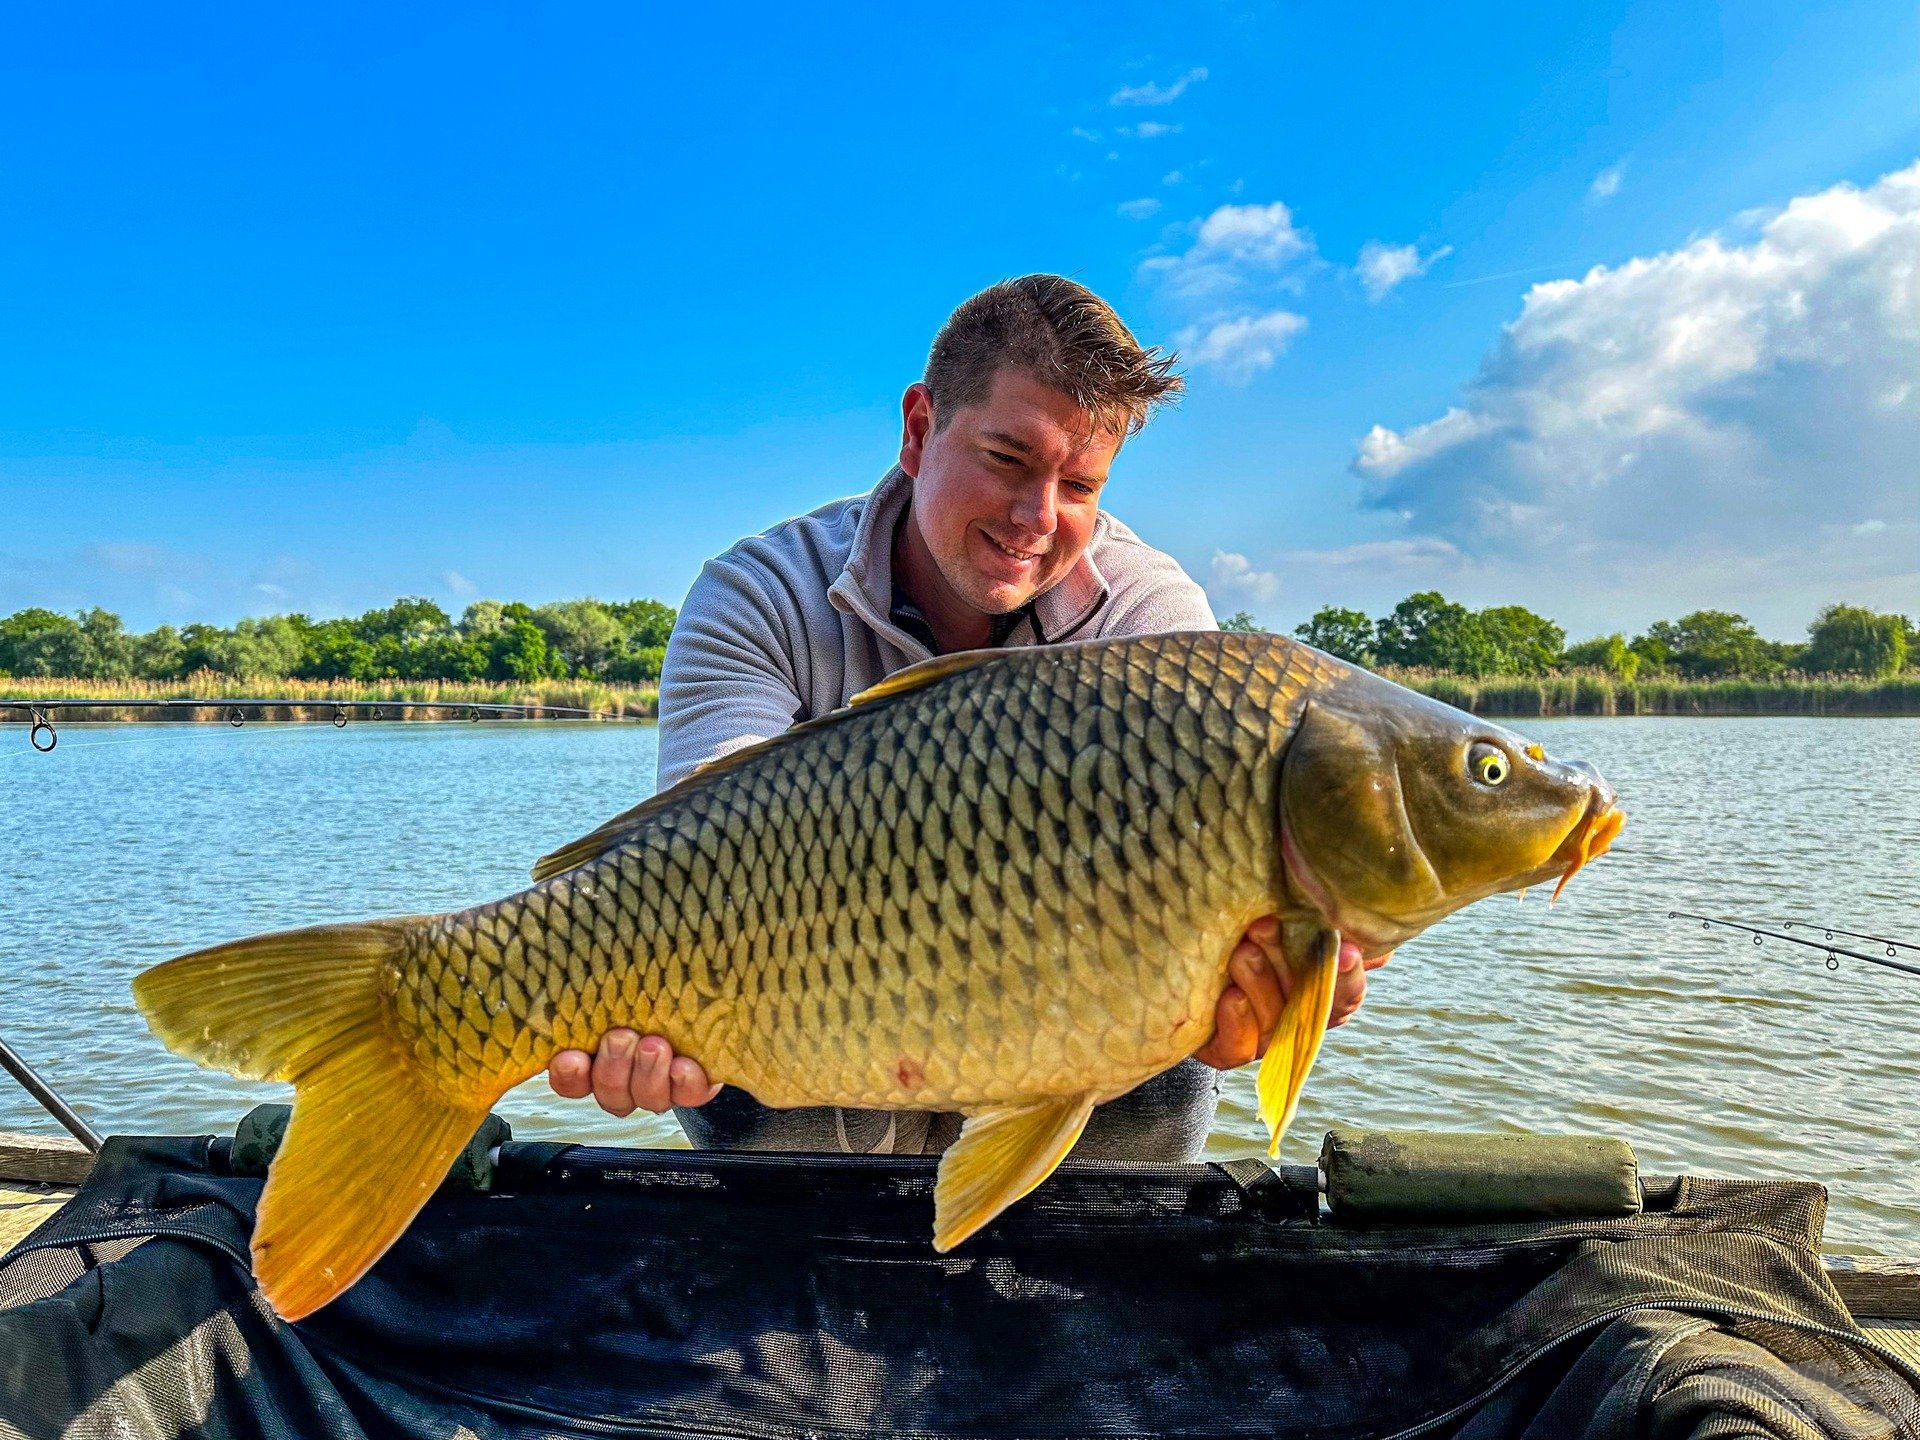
x: 1303, y: 1025
x: 372, y: 1134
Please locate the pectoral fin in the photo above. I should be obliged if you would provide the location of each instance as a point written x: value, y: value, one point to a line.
x: 1000, y: 1156
x: 1303, y: 1024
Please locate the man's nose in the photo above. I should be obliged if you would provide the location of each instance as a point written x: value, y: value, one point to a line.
x: 1035, y: 510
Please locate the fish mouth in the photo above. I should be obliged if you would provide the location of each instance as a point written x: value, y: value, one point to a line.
x: 1592, y: 836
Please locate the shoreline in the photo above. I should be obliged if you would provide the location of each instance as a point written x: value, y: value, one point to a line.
x: 1506, y: 697
x: 315, y: 701
x: 1595, y: 694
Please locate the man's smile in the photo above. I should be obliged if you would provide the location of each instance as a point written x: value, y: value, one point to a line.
x: 1010, y: 552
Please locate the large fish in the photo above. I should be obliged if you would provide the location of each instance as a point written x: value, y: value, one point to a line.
x: 1003, y: 882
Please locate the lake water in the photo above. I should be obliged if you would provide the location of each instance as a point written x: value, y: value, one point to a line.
x: 129, y: 844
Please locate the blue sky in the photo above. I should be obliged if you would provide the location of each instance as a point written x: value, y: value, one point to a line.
x: 310, y: 312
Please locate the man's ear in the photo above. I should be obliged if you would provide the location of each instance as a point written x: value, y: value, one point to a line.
x: 916, y: 426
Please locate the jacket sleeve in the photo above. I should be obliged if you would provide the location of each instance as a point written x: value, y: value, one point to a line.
x: 728, y: 678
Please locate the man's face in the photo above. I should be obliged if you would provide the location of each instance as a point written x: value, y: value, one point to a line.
x: 1006, y: 491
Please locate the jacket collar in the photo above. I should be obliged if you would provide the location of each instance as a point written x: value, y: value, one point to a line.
x: 865, y: 586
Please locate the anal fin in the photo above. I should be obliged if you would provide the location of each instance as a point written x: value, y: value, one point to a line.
x: 1000, y: 1156
x: 1303, y: 1025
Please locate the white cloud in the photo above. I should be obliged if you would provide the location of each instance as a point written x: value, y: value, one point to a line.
x: 1148, y: 130
x: 1233, y: 575
x: 1381, y: 266
x: 1172, y: 177
x: 1240, y: 347
x: 1383, y: 554
x: 1720, y: 414
x: 1607, y: 183
x: 132, y: 557
x: 1152, y: 94
x: 1080, y: 132
x: 1144, y: 209
x: 459, y: 584
x: 1236, y: 248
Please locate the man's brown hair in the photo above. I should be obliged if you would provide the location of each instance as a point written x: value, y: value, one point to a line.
x: 1060, y: 333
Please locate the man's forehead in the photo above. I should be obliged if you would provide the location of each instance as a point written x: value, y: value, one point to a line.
x: 1036, y: 419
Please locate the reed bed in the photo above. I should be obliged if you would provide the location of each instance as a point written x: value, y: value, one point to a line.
x: 1578, y: 692
x: 312, y: 698
x: 1595, y: 692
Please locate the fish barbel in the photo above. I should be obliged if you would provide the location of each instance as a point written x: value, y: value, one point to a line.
x: 1005, y: 883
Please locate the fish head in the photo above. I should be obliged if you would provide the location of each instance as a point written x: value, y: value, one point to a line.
x: 1396, y: 810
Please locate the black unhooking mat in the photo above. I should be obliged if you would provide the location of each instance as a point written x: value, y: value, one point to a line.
x: 597, y: 1292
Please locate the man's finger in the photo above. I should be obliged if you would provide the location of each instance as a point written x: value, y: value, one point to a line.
x: 1254, y: 974
x: 690, y: 1086
x: 653, y: 1076
x: 613, y: 1072
x: 1349, y: 986
x: 1236, y: 1034
x: 1374, y: 962
x: 570, y: 1074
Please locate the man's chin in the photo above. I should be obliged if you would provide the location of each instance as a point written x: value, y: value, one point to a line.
x: 999, y: 597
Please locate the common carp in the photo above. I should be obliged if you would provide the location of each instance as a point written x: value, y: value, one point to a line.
x: 1005, y: 883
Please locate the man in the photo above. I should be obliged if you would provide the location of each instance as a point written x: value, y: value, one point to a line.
x: 989, y: 532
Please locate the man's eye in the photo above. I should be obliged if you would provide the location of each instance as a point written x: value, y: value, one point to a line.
x: 1081, y: 488
x: 1003, y: 457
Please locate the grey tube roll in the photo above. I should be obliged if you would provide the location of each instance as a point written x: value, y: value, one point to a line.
x: 1422, y: 1177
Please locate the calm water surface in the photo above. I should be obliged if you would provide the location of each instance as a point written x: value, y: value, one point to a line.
x: 129, y: 844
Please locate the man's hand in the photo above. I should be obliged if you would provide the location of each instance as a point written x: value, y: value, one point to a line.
x: 1249, y: 1008
x: 629, y: 1073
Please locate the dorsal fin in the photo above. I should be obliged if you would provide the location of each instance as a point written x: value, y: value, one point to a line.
x: 598, y: 841
x: 924, y: 673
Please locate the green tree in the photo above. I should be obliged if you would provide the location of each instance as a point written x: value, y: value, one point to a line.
x: 1852, y: 640
x: 1709, y: 643
x: 1241, y: 623
x: 648, y: 623
x: 157, y: 655
x: 335, y: 650
x: 1527, y: 644
x: 40, y: 642
x: 1345, y: 634
x: 637, y: 665
x: 408, y: 621
x: 445, y: 657
x: 583, y: 633
x: 1606, y: 652
x: 271, y: 647
x: 109, y: 648
x: 484, y: 618
x: 1430, y: 631
x: 519, y: 652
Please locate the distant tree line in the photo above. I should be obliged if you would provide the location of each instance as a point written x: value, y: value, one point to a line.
x: 411, y: 639
x: 1428, y: 631
x: 623, y: 642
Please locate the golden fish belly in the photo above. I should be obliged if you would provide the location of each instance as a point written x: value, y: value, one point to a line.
x: 1023, y: 883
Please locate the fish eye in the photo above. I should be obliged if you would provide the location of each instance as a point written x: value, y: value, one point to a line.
x: 1488, y: 763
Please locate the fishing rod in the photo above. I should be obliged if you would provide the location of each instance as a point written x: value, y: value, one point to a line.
x: 43, y: 736
x: 1833, y: 952
x: 31, y: 1082
x: 1893, y: 946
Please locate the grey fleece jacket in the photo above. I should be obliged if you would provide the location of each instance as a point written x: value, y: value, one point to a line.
x: 791, y: 624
